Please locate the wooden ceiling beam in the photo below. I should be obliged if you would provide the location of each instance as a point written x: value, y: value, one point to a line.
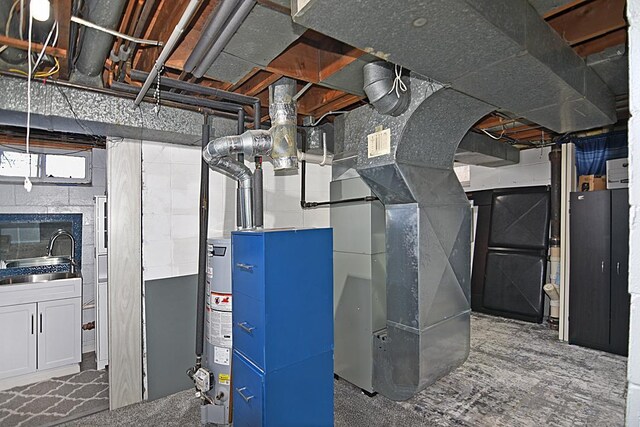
x: 62, y: 14
x: 338, y: 104
x: 599, y: 44
x: 299, y: 61
x: 35, y: 47
x: 560, y: 9
x: 316, y: 97
x: 590, y: 20
x: 258, y: 83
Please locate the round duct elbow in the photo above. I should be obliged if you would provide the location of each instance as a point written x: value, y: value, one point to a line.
x: 379, y: 86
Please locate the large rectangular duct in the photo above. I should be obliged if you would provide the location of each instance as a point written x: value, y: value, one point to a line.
x: 481, y: 150
x: 407, y: 161
x: 498, y: 51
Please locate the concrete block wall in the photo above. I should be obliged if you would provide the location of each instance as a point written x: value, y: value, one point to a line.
x: 170, y: 195
x: 49, y: 198
x: 633, y: 363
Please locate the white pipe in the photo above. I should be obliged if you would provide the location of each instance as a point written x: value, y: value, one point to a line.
x: 114, y: 32
x: 551, y: 290
x: 315, y: 158
x: 168, y: 48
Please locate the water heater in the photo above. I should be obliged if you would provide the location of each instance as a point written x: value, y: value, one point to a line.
x: 218, y: 341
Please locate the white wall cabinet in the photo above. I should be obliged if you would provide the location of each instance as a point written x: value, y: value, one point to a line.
x: 18, y: 338
x: 59, y: 337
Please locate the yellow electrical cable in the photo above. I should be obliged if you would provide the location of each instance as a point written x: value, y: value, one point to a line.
x: 40, y: 74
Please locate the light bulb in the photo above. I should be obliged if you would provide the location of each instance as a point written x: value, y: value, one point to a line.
x: 40, y: 10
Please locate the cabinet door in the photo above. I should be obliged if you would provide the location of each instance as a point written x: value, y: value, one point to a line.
x: 18, y: 340
x: 589, y: 295
x: 620, y: 299
x: 59, y: 333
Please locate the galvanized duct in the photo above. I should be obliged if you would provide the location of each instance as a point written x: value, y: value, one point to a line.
x: 379, y: 78
x: 498, y: 51
x: 97, y: 44
x: 428, y: 222
x: 283, y: 113
x: 217, y: 155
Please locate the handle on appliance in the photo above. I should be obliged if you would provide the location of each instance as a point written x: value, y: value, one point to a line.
x: 40, y: 322
x: 246, y: 327
x: 240, y: 392
x: 32, y: 320
x: 618, y: 267
x: 245, y: 267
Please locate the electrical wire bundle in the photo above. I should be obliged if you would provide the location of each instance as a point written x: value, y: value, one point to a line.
x: 36, y: 61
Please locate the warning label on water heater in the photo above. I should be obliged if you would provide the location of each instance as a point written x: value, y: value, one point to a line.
x: 221, y: 355
x: 379, y: 143
x: 220, y: 328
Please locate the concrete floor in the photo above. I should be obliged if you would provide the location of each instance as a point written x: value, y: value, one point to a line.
x: 517, y: 374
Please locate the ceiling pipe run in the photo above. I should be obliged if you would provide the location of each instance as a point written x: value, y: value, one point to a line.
x: 212, y: 30
x: 97, y: 44
x: 168, y: 48
x: 224, y: 37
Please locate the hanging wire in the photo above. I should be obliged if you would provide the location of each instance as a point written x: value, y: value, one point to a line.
x: 398, y: 85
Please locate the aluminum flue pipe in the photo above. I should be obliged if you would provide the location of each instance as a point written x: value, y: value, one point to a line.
x: 218, y: 153
x: 283, y: 112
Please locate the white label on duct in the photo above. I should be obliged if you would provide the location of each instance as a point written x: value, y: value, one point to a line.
x: 220, y: 328
x: 379, y: 143
x: 221, y: 355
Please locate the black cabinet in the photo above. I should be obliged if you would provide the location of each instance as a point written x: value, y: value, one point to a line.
x: 598, y: 292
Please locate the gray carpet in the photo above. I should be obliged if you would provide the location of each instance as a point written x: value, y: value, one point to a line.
x: 517, y: 374
x: 53, y: 401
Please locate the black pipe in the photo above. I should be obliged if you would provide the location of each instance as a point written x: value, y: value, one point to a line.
x: 555, y: 158
x: 200, y: 90
x: 202, y: 254
x: 185, y: 99
x: 258, y: 207
x: 303, y: 189
x: 240, y: 158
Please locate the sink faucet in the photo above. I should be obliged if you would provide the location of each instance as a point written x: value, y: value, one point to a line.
x: 60, y: 232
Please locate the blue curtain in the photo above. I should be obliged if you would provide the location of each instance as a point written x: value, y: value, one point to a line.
x: 593, y: 152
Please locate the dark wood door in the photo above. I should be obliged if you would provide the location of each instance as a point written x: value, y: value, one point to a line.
x: 619, y: 328
x: 589, y: 292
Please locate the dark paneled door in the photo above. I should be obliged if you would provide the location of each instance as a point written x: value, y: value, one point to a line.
x: 589, y: 293
x: 620, y: 299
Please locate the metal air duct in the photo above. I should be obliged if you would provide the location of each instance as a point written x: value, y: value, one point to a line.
x: 97, y: 44
x: 279, y: 142
x: 407, y: 161
x: 284, y: 115
x: 379, y: 85
x: 498, y: 51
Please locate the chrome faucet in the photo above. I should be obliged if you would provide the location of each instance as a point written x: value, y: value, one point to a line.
x: 52, y: 240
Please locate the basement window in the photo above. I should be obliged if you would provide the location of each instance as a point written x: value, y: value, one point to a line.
x: 45, y: 165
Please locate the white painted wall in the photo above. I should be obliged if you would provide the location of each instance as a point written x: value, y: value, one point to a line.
x: 534, y: 169
x: 170, y: 196
x: 633, y: 392
x: 49, y: 198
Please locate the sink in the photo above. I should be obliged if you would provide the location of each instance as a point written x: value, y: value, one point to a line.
x: 37, y: 262
x: 38, y: 278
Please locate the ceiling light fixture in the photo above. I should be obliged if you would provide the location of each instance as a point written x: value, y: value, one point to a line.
x: 40, y: 10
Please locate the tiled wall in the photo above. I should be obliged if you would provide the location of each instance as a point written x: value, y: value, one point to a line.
x: 170, y: 195
x: 633, y: 363
x: 66, y: 199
